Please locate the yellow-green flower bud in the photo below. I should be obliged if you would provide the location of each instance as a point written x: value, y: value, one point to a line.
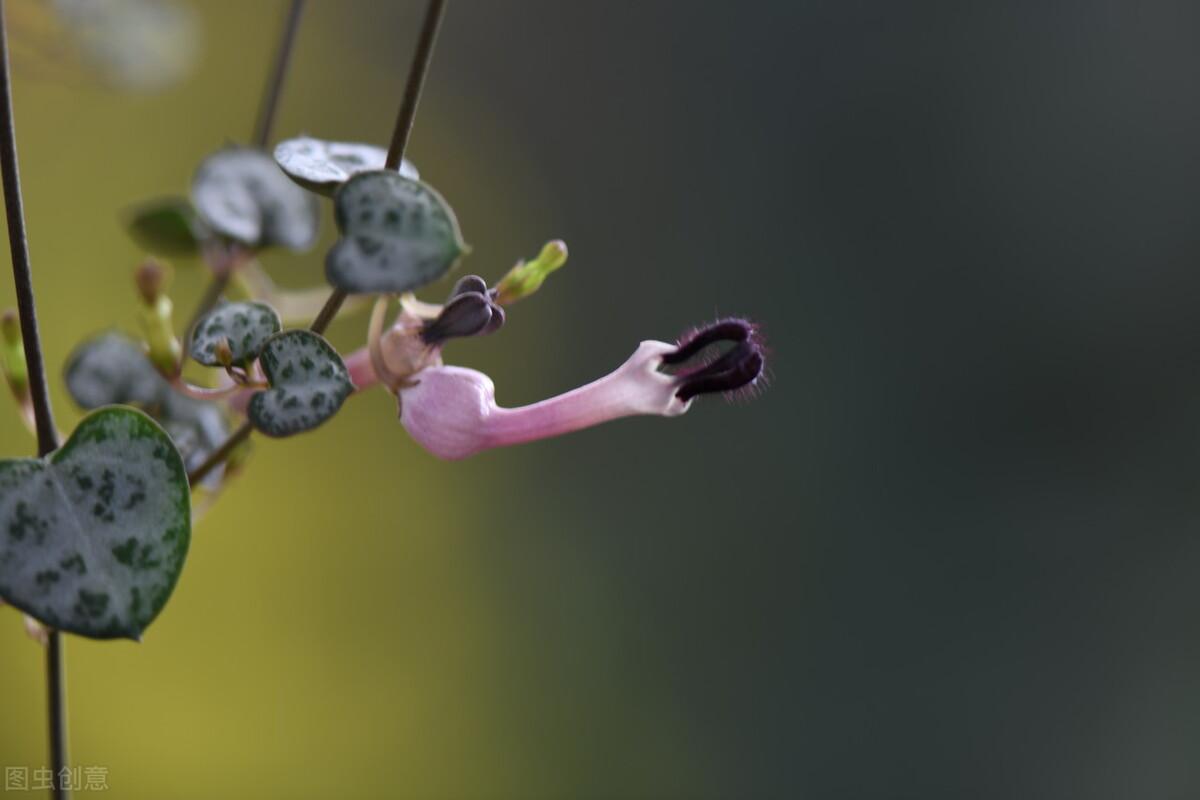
x: 13, y: 353
x: 526, y: 278
x: 162, y: 346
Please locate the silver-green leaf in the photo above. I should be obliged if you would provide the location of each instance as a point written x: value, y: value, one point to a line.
x: 94, y: 536
x: 322, y: 166
x: 309, y: 382
x: 111, y: 368
x: 245, y: 326
x: 397, y: 234
x: 240, y: 193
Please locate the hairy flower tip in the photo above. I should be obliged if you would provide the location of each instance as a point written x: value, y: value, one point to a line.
x: 704, y: 369
x: 470, y: 311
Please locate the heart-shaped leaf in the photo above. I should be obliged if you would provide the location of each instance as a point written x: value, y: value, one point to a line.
x: 111, y: 368
x: 95, y: 535
x: 240, y: 193
x: 397, y: 235
x: 167, y: 227
x: 322, y: 166
x: 309, y: 383
x: 245, y: 326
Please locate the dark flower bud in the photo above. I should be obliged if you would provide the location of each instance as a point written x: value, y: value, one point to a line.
x: 466, y: 315
x: 470, y: 311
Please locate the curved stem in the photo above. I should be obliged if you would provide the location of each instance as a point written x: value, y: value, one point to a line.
x: 47, y: 434
x: 206, y: 393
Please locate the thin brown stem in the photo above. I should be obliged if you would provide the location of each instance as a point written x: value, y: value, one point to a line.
x: 274, y: 88
x: 218, y: 456
x: 413, y: 86
x: 416, y: 81
x: 47, y: 434
x: 328, y: 311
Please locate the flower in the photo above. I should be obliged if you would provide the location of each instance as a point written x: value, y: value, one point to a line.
x: 452, y: 411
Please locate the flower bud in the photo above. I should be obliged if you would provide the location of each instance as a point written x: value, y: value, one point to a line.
x: 526, y: 278
x: 223, y: 353
x: 151, y: 278
x: 13, y: 352
x: 162, y: 347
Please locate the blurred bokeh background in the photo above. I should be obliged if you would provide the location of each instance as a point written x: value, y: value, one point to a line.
x: 951, y: 552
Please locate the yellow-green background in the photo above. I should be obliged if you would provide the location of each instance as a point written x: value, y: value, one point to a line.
x: 357, y: 619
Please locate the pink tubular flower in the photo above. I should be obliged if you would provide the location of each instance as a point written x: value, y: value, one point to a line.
x: 452, y: 411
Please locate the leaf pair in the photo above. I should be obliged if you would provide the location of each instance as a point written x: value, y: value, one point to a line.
x: 112, y: 369
x: 309, y: 381
x: 397, y: 233
x: 239, y: 194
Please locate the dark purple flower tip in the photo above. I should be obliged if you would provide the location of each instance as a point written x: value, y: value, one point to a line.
x: 739, y: 366
x: 470, y: 311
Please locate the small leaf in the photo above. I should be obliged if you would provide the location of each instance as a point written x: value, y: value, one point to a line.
x: 109, y: 369
x: 239, y: 192
x: 245, y: 326
x: 112, y: 369
x: 168, y: 227
x: 397, y: 235
x: 309, y: 383
x: 94, y: 536
x: 322, y: 166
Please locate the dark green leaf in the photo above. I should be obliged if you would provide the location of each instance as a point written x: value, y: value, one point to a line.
x: 397, y: 235
x: 322, y: 166
x: 240, y: 193
x: 309, y: 383
x: 167, y: 227
x: 95, y: 535
x: 244, y: 325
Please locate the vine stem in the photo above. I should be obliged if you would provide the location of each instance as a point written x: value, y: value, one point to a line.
x: 218, y: 456
x: 274, y: 88
x: 417, y: 71
x: 264, y: 123
x: 43, y: 414
x: 416, y: 81
x: 404, y: 122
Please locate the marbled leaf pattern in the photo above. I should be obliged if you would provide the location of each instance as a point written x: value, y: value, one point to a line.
x: 94, y: 536
x: 309, y: 383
